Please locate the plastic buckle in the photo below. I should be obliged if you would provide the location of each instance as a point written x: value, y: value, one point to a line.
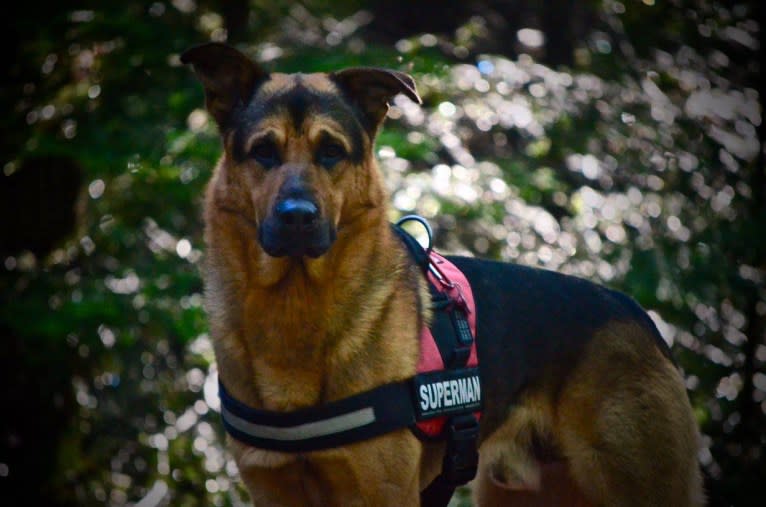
x: 462, y: 457
x: 463, y: 336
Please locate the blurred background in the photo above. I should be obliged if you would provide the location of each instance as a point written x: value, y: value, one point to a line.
x: 613, y: 140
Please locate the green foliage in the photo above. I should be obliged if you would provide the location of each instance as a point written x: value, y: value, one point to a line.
x: 638, y: 168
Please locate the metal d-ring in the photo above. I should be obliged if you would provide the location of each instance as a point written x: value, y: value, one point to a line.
x: 422, y: 221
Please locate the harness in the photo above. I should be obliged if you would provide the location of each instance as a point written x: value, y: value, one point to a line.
x: 441, y: 402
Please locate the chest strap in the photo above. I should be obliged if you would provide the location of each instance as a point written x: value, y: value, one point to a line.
x: 353, y: 419
x: 360, y: 417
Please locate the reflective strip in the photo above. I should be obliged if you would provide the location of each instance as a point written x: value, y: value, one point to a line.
x: 331, y: 426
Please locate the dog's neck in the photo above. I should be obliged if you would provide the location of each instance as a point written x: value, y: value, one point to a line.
x: 305, y: 320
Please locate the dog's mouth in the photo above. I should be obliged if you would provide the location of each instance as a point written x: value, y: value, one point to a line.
x: 296, y: 228
x: 277, y: 242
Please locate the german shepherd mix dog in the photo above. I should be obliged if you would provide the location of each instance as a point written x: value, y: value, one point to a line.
x: 312, y: 298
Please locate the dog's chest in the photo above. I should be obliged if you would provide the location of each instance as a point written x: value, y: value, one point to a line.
x: 284, y: 388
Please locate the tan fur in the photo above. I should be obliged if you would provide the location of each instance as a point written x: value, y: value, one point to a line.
x: 621, y: 422
x: 292, y: 332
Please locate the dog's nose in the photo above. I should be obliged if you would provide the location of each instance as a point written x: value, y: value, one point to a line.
x: 297, y: 213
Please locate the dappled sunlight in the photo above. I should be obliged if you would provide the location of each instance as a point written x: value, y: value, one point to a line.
x: 634, y: 166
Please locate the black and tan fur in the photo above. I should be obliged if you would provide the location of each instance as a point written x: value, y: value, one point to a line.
x: 311, y: 298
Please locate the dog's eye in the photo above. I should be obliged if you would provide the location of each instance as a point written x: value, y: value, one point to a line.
x: 330, y: 154
x: 265, y: 153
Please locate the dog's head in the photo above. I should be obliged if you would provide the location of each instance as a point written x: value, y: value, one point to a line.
x: 298, y: 160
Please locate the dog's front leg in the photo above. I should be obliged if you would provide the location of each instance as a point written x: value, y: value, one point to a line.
x: 381, y: 472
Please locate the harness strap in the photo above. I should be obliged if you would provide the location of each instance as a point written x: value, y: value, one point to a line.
x: 451, y: 331
x: 438, y: 493
x: 360, y: 417
x: 454, y: 339
x: 459, y: 464
x: 417, y: 252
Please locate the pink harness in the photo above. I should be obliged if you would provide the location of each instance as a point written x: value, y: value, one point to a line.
x: 450, y: 281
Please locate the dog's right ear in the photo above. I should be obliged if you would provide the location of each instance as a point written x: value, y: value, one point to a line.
x: 229, y: 77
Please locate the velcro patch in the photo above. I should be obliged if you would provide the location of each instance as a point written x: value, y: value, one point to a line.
x: 447, y: 392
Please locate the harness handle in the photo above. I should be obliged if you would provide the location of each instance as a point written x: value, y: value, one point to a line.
x: 427, y: 260
x: 422, y: 221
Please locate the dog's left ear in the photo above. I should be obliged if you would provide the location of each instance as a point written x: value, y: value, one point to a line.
x: 371, y: 89
x: 229, y: 77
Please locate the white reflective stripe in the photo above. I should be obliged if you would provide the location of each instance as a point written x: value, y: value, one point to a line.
x: 337, y: 424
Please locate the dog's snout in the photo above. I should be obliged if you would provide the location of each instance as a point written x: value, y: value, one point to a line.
x: 295, y: 227
x: 297, y: 213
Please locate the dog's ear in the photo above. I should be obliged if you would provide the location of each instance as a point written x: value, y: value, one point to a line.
x: 371, y: 89
x: 228, y: 76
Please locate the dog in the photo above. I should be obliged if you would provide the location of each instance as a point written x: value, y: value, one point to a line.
x: 312, y: 298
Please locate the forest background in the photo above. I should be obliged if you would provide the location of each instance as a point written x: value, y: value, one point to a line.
x: 620, y: 141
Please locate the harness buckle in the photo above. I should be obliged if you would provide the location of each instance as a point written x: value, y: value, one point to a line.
x: 464, y: 339
x: 462, y: 457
